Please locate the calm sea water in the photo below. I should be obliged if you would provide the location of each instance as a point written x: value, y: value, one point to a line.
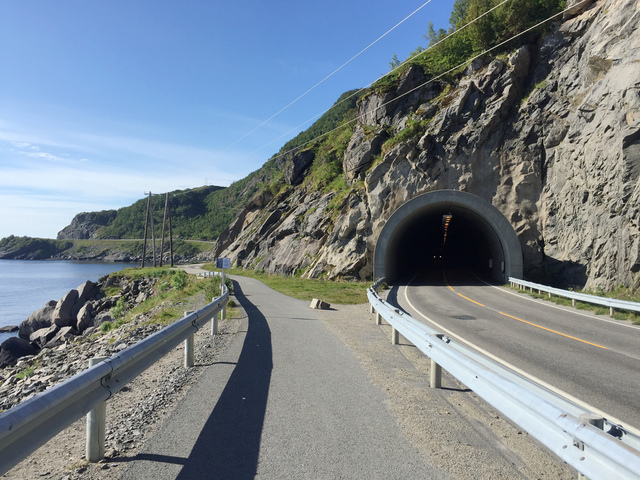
x: 27, y: 285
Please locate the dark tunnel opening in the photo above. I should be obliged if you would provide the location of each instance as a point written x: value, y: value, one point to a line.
x: 448, y: 238
x: 450, y: 229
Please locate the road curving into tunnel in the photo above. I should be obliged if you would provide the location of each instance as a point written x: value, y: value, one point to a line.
x: 592, y: 358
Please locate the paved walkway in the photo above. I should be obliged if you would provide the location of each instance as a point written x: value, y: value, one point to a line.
x: 287, y: 400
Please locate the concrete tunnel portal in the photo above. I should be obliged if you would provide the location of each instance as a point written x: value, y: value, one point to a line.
x: 447, y: 228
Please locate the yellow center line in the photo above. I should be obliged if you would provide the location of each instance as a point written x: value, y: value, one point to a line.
x: 472, y: 301
x: 553, y: 331
x: 532, y: 324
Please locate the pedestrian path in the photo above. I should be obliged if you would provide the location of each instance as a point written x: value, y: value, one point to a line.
x: 286, y: 400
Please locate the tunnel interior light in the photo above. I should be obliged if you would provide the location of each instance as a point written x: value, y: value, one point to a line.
x: 446, y: 220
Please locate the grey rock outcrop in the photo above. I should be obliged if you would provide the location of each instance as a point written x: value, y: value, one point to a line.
x: 361, y: 151
x: 84, y: 225
x: 296, y: 167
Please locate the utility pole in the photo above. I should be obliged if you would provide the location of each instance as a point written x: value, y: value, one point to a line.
x: 170, y: 240
x: 164, y: 223
x: 146, y: 223
x: 153, y: 234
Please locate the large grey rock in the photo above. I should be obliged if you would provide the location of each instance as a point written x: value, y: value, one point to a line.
x: 63, y: 335
x: 84, y: 317
x: 37, y: 320
x: 42, y: 336
x: 86, y: 292
x: 62, y: 315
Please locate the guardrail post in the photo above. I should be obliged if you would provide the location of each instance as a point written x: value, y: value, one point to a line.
x: 189, y: 356
x: 611, y: 311
x: 96, y: 426
x: 573, y: 302
x: 592, y: 419
x: 436, y: 370
x: 395, y: 336
x: 371, y: 309
x: 378, y: 318
x: 214, y: 324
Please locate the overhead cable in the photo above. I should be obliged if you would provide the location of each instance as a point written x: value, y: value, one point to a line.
x: 368, y: 86
x: 466, y: 62
x: 328, y: 76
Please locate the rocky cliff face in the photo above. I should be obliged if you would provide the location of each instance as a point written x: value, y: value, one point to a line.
x: 550, y: 136
x: 84, y: 225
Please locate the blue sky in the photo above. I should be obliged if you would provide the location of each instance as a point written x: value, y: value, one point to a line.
x: 103, y: 101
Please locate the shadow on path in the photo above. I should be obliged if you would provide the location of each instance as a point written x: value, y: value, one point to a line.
x: 229, y: 444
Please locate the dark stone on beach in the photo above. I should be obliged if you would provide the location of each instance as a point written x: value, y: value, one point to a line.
x: 9, y: 329
x: 14, y: 348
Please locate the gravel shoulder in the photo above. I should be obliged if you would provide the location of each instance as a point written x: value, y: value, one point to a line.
x: 455, y: 429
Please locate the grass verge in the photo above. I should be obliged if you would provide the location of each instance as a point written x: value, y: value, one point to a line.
x: 335, y: 292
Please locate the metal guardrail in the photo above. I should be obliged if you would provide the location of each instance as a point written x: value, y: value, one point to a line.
x: 32, y: 423
x: 561, y: 425
x: 612, y: 303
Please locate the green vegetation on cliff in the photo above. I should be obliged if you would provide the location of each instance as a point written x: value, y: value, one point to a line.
x: 447, y: 51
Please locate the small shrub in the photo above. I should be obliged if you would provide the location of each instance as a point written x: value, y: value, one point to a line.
x: 120, y: 309
x: 178, y: 279
x: 27, y: 372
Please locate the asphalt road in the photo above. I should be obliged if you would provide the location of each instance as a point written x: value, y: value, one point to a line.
x: 288, y: 400
x: 593, y: 358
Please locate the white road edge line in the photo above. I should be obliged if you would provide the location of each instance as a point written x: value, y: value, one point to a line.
x: 519, y: 371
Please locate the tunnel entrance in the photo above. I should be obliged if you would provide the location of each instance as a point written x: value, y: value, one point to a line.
x: 451, y: 229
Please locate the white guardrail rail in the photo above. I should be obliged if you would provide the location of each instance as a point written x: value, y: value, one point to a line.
x: 612, y: 303
x: 573, y: 433
x: 30, y: 424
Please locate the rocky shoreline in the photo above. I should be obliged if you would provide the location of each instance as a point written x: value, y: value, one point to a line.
x: 75, y: 316
x: 133, y: 414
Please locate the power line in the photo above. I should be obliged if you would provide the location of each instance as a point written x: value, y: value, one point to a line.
x: 328, y: 76
x: 466, y: 62
x: 378, y: 79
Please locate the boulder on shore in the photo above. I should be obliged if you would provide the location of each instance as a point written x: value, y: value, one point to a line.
x: 62, y: 315
x: 14, y: 348
x: 42, y: 336
x: 37, y: 320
